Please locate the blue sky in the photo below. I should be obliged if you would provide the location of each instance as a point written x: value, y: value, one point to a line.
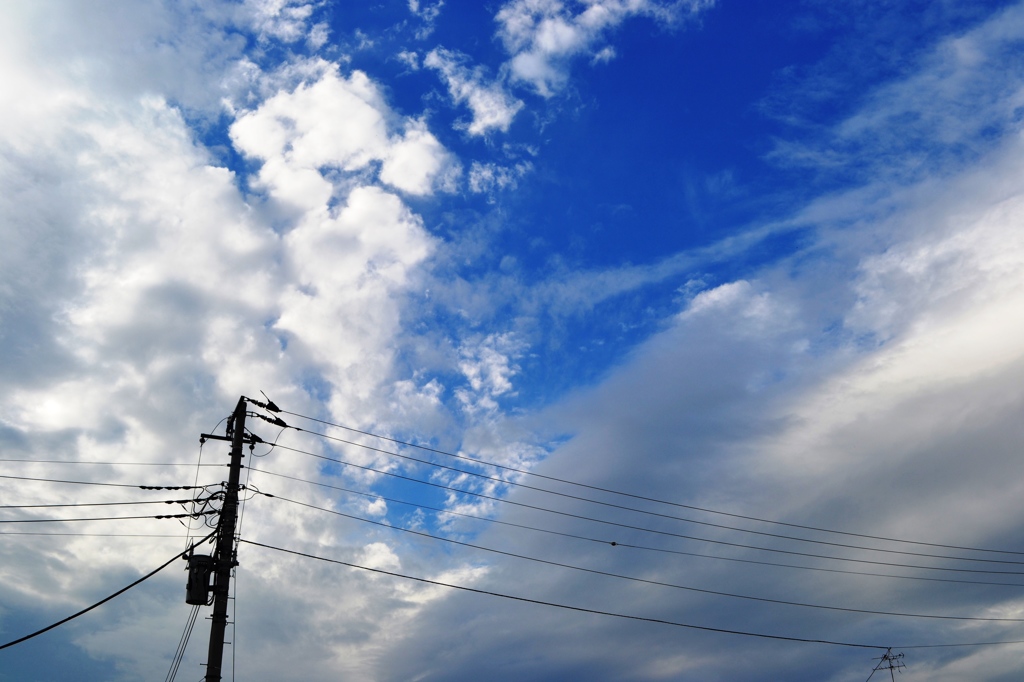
x: 757, y: 258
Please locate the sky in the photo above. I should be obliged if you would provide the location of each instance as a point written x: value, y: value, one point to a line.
x: 736, y: 286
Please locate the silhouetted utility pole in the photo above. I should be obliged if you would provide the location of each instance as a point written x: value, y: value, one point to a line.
x: 223, y: 560
x: 888, y: 661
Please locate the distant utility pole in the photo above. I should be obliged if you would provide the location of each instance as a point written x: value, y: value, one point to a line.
x: 223, y: 560
x: 888, y: 661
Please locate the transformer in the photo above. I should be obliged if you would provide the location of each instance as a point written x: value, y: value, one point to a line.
x: 197, y: 590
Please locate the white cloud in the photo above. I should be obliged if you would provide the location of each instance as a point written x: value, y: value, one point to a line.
x: 410, y: 59
x: 751, y: 400
x: 544, y: 36
x: 340, y: 123
x: 142, y: 290
x: 318, y: 35
x: 958, y: 100
x: 870, y: 381
x: 285, y: 20
x: 485, y: 178
x: 604, y: 55
x: 427, y: 12
x: 418, y: 164
x: 493, y: 108
x: 379, y: 555
x: 488, y: 365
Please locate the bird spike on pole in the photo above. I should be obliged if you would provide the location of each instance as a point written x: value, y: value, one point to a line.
x: 888, y: 661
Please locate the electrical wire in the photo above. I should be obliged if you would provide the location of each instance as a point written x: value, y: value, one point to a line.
x: 613, y: 543
x: 199, y: 464
x: 91, y: 504
x: 135, y: 464
x: 96, y: 535
x: 659, y: 621
x: 619, y: 492
x: 643, y: 580
x: 105, y: 518
x: 179, y: 653
x: 641, y: 528
x: 113, y: 485
x: 564, y: 606
x: 99, y: 603
x: 660, y: 515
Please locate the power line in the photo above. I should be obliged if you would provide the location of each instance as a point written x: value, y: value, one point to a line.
x: 573, y: 608
x: 108, y: 518
x: 91, y: 504
x: 179, y: 653
x: 623, y: 493
x: 95, y: 535
x: 643, y: 580
x: 136, y: 464
x: 113, y: 485
x: 100, y: 602
x: 658, y: 514
x: 614, y: 543
x: 647, y: 530
x: 625, y: 616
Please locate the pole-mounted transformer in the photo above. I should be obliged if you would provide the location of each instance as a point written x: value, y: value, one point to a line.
x: 197, y: 590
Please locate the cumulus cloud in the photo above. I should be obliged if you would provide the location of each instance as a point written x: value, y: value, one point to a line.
x: 144, y: 287
x: 340, y: 123
x: 285, y: 20
x: 869, y: 382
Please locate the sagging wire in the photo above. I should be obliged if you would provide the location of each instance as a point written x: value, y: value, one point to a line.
x: 102, y: 601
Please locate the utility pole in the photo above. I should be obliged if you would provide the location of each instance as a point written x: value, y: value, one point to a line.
x: 888, y: 661
x: 224, y: 556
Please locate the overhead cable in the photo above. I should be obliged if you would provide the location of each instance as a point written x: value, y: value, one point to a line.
x: 179, y: 653
x: 657, y: 583
x: 633, y: 495
x: 615, y: 543
x: 96, y: 535
x: 102, y: 601
x: 620, y: 615
x: 134, y: 464
x: 110, y: 518
x: 92, y: 504
x: 641, y: 528
x: 660, y: 515
x: 112, y: 485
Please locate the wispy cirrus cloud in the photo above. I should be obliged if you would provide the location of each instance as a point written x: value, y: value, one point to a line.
x: 963, y: 96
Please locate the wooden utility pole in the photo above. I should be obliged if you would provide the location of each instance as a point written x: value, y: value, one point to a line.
x: 224, y: 557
